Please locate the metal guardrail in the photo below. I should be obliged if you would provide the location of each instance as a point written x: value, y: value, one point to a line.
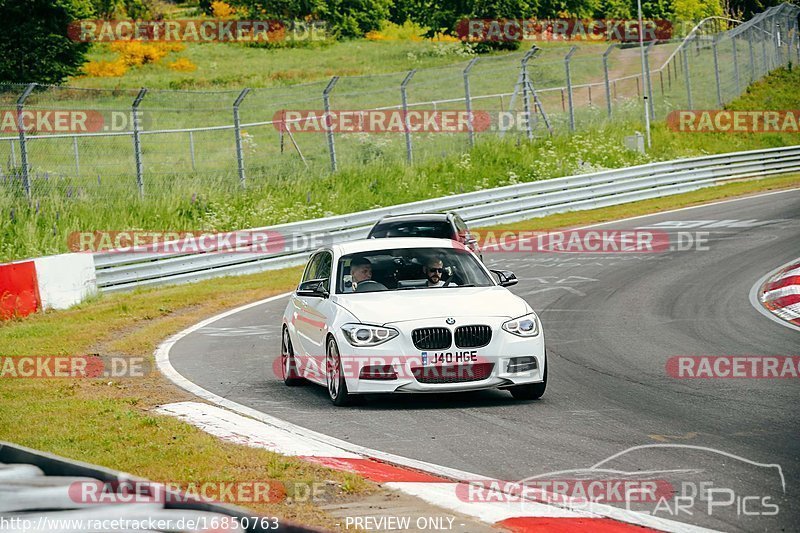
x: 41, y: 490
x: 128, y: 270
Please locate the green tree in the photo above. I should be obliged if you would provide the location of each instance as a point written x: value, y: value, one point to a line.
x: 34, y: 46
x: 354, y: 18
x: 616, y: 9
x: 696, y: 9
x: 745, y: 9
x: 568, y: 8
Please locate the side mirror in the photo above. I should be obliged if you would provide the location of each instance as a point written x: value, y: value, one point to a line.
x: 314, y: 288
x: 505, y: 277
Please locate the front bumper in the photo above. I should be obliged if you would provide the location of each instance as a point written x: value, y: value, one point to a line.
x: 406, y: 360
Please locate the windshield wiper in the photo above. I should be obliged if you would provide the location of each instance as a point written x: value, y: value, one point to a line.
x: 465, y: 285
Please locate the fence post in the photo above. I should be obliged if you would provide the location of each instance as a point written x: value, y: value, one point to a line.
x: 750, y: 36
x: 137, y: 142
x: 525, y: 96
x: 605, y: 77
x: 736, y: 66
x: 778, y: 44
x: 327, y: 103
x: 238, y: 133
x: 650, y: 104
x: 569, y: 88
x: 764, y: 58
x: 191, y: 150
x: 77, y: 158
x: 687, y: 76
x: 716, y: 70
x: 468, y: 101
x: 23, y: 146
x: 404, y: 96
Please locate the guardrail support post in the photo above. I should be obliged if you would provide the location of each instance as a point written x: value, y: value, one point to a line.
x: 468, y: 102
x: 327, y: 103
x: 238, y: 132
x: 137, y: 142
x: 688, y: 77
x: 605, y: 77
x: 569, y: 88
x: 23, y: 146
x: 650, y: 104
x: 404, y: 96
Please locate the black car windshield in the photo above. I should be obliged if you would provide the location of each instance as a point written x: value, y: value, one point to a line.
x: 396, y: 269
x: 437, y: 229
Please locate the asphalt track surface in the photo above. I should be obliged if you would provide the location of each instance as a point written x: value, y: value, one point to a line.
x: 611, y: 322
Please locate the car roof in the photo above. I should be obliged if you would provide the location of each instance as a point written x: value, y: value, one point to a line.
x: 416, y: 217
x: 368, y: 245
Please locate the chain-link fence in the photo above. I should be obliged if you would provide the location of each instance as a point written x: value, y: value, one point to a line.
x: 153, y: 142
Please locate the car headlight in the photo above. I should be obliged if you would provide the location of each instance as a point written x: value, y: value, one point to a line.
x: 366, y: 335
x: 524, y: 326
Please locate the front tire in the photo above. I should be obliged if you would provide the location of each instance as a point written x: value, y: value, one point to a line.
x: 531, y: 391
x: 291, y: 376
x: 334, y: 377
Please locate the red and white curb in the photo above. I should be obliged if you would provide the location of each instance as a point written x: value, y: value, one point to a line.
x: 435, y: 484
x: 777, y: 295
x: 781, y: 293
x: 52, y: 282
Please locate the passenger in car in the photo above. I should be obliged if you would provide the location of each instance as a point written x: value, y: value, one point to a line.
x: 434, y: 268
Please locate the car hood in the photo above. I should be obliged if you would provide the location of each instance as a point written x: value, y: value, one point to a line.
x: 400, y: 306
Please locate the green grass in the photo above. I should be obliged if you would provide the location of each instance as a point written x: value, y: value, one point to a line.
x: 280, y: 189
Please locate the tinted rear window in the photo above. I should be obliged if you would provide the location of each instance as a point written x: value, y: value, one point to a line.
x: 436, y: 230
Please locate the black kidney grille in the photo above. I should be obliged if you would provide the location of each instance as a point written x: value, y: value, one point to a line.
x: 473, y: 336
x: 432, y: 338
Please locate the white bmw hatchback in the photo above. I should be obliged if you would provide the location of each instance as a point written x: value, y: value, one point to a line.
x: 410, y: 315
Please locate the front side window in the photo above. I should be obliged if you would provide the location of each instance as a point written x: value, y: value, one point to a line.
x: 323, y: 269
x: 311, y: 268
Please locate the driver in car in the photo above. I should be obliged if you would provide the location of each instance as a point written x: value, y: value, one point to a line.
x: 433, y: 271
x: 361, y: 272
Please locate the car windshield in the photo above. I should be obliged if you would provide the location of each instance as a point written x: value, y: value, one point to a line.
x: 437, y: 229
x: 409, y: 269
